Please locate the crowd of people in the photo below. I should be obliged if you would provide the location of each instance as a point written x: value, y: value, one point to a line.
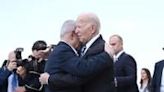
x: 81, y: 62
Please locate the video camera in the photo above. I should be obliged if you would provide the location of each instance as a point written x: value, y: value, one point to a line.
x: 18, y: 52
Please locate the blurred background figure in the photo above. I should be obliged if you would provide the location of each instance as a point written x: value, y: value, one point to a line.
x: 145, y: 82
x: 31, y: 72
x: 125, y: 67
x: 8, y: 76
x: 158, y: 77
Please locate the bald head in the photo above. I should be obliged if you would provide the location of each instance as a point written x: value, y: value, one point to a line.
x: 12, y: 56
x: 87, y: 26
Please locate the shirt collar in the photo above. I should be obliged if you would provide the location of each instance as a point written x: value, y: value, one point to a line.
x: 119, y: 54
x: 71, y: 47
x: 91, y: 42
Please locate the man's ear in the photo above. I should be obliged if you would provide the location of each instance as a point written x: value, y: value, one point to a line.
x: 72, y: 36
x: 93, y: 28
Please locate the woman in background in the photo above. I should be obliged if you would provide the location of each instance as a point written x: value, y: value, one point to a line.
x: 145, y: 80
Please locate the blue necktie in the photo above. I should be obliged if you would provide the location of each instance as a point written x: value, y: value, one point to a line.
x: 14, y: 81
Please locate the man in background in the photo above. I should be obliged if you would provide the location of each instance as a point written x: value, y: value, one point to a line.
x: 36, y: 63
x: 7, y: 72
x: 158, y: 77
x: 125, y: 68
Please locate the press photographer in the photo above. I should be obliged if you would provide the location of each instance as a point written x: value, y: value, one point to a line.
x: 37, y: 61
x: 8, y: 75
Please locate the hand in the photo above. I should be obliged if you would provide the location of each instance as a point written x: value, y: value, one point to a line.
x: 44, y: 78
x: 40, y: 60
x: 44, y: 53
x: 47, y: 50
x: 20, y: 89
x: 109, y: 50
x: 11, y: 65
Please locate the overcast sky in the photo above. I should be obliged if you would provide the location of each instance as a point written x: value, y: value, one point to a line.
x: 139, y: 22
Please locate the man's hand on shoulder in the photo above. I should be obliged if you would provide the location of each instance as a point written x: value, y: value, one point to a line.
x: 109, y: 49
x: 44, y: 78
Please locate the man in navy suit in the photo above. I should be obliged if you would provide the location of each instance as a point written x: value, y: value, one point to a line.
x: 94, y: 69
x: 125, y: 67
x: 158, y: 77
x: 6, y: 71
x: 64, y: 50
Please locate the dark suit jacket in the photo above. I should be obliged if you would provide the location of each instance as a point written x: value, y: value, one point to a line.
x: 156, y: 81
x: 58, y: 77
x: 4, y: 74
x: 88, y: 70
x: 126, y: 73
x: 100, y: 76
x: 103, y: 81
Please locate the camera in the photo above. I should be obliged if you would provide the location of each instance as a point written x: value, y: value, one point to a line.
x: 18, y: 54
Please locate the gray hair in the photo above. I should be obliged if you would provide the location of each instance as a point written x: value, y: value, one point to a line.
x: 67, y: 27
x: 118, y: 36
x: 96, y: 21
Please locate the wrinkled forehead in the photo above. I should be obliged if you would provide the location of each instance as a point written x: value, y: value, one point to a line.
x: 82, y: 19
x: 113, y: 39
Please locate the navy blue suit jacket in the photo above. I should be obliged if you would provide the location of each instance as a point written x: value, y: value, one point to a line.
x: 58, y: 77
x: 126, y: 73
x: 156, y: 81
x: 101, y: 80
x: 94, y: 69
x: 4, y: 74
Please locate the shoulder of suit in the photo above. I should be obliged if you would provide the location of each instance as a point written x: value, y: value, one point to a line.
x: 159, y: 62
x: 62, y: 44
x: 125, y: 55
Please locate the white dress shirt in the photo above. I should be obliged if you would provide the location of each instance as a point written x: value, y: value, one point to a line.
x: 118, y: 55
x: 91, y: 42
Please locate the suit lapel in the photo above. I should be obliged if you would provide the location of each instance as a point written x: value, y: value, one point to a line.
x: 121, y: 56
x: 96, y: 47
x: 160, y: 71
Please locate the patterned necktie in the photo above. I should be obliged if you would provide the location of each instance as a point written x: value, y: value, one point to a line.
x: 82, y: 51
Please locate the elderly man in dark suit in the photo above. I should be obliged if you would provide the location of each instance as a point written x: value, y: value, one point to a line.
x: 158, y: 77
x: 125, y: 67
x: 93, y: 72
x: 87, y: 29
